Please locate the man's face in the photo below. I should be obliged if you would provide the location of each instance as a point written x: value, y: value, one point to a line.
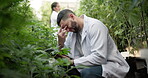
x: 69, y: 25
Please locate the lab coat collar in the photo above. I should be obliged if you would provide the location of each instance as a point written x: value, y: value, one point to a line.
x: 85, y: 28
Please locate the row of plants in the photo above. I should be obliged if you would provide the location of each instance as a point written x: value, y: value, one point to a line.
x: 27, y: 45
x: 127, y: 20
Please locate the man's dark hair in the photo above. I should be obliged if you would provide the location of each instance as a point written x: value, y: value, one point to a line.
x: 53, y: 5
x: 63, y: 15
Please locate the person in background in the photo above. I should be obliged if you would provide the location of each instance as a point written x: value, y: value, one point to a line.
x: 91, y: 46
x: 55, y: 9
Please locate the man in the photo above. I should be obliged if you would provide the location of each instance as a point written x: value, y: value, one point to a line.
x: 90, y: 46
x: 55, y: 9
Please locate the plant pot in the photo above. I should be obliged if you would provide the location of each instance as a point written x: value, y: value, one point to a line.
x: 144, y: 54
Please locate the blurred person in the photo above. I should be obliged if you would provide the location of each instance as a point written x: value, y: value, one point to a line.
x: 55, y: 9
x: 90, y: 46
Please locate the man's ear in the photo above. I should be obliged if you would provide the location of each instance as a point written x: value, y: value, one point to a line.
x: 71, y: 15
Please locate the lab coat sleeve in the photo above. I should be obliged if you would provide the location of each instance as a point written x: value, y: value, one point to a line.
x: 98, y: 34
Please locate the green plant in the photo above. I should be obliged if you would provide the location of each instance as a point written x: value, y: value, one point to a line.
x: 24, y: 39
x: 126, y: 20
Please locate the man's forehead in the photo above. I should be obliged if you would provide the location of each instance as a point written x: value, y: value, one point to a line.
x: 64, y: 21
x: 61, y: 22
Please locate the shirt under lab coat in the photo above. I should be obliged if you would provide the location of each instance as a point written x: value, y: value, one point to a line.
x: 98, y: 48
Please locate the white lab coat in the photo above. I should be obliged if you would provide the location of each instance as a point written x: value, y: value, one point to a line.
x: 53, y: 19
x: 98, y: 49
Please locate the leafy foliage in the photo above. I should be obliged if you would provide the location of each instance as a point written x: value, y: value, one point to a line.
x: 23, y: 43
x: 126, y: 20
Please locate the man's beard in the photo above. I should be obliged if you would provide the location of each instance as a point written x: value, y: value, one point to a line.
x: 75, y: 27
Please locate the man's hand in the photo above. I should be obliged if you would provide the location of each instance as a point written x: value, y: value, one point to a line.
x: 61, y: 37
x: 71, y: 61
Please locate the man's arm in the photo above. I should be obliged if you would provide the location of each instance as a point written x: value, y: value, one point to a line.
x: 61, y: 37
x: 61, y: 40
